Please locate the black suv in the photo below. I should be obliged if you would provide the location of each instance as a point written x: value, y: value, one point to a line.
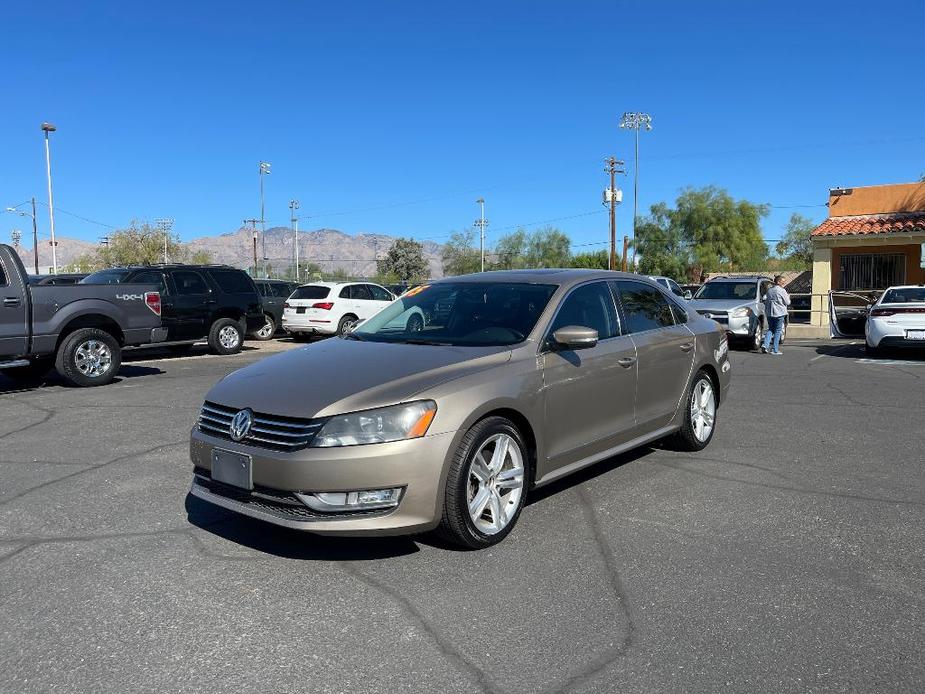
x: 217, y: 302
x: 273, y: 294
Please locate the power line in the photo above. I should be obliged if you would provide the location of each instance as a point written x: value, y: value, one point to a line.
x: 77, y: 216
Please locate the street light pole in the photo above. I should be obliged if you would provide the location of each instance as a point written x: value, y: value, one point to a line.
x: 481, y: 223
x: 636, y: 121
x: 264, y: 170
x: 35, y: 238
x: 293, y: 206
x: 49, y: 128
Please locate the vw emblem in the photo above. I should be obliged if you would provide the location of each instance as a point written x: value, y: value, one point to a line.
x: 241, y: 424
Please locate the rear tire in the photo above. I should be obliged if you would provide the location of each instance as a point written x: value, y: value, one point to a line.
x: 35, y: 372
x: 267, y: 331
x: 699, y: 412
x: 226, y: 336
x: 89, y: 357
x: 500, y: 479
x: 345, y: 322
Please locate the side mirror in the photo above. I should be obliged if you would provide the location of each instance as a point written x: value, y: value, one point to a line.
x: 574, y: 337
x: 687, y: 295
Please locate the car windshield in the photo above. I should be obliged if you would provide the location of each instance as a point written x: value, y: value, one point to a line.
x: 904, y: 295
x: 728, y: 290
x: 106, y: 277
x: 460, y: 314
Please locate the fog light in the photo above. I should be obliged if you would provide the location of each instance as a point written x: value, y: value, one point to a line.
x: 366, y: 499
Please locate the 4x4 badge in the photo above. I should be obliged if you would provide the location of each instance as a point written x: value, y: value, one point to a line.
x: 241, y: 424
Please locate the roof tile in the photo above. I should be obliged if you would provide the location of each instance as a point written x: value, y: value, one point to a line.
x: 872, y: 224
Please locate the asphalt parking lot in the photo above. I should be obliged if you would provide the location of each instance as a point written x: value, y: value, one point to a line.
x: 787, y: 556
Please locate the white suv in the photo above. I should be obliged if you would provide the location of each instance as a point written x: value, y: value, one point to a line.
x: 330, y: 308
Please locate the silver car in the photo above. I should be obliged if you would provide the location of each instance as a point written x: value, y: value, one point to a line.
x: 517, y: 379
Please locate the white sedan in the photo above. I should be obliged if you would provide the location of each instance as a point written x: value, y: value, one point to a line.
x: 897, y: 319
x: 330, y: 308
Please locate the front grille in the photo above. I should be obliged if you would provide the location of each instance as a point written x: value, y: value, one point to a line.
x: 718, y: 316
x: 267, y: 431
x: 272, y: 501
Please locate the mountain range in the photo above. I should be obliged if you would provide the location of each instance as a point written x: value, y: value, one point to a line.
x: 329, y: 248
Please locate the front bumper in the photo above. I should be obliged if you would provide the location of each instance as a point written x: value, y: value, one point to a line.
x: 742, y: 326
x: 417, y: 466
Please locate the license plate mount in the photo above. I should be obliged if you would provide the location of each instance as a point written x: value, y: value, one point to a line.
x: 232, y: 468
x: 915, y: 334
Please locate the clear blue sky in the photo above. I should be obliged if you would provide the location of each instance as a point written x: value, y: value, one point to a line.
x: 165, y: 108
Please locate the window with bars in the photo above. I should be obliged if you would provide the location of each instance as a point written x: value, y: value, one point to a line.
x: 872, y: 271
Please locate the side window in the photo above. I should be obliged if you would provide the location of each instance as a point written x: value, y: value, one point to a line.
x: 189, y: 282
x: 282, y: 290
x: 361, y: 292
x: 233, y: 281
x: 151, y: 277
x: 675, y: 288
x: 346, y: 292
x: 679, y: 313
x: 589, y: 306
x: 645, y: 307
x: 3, y: 281
x: 379, y: 294
x: 765, y: 286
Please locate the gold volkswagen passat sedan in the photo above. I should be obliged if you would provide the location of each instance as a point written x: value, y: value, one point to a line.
x: 446, y: 408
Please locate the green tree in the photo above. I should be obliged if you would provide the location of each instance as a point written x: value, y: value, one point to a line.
x: 797, y: 246
x: 662, y: 245
x: 548, y: 247
x: 140, y: 244
x: 86, y: 262
x: 405, y: 260
x: 459, y: 256
x: 592, y: 260
x: 200, y: 257
x: 511, y: 251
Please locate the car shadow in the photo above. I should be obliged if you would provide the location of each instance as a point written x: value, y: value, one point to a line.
x: 587, y: 474
x: 292, y: 544
x: 9, y: 386
x: 168, y: 353
x: 859, y: 351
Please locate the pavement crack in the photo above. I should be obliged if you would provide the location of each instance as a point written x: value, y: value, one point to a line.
x: 48, y: 414
x: 610, y: 655
x: 443, y: 644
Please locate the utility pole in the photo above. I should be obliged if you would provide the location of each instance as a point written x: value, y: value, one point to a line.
x: 49, y: 128
x: 35, y: 238
x: 264, y: 171
x: 165, y: 225
x: 293, y: 206
x: 481, y: 223
x: 253, y: 223
x: 613, y: 197
x: 636, y: 121
x: 626, y: 246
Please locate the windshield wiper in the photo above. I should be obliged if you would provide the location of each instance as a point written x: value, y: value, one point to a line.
x: 427, y: 342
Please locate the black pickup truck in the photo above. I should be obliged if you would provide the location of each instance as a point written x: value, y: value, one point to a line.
x: 80, y: 329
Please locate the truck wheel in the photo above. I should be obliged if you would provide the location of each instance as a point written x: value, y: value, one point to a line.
x: 226, y: 336
x: 267, y: 331
x: 89, y: 357
x: 34, y: 373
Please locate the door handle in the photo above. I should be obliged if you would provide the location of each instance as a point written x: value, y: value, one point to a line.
x: 626, y: 362
x: 11, y: 301
x: 687, y: 346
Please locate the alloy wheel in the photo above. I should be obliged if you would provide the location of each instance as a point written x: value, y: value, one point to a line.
x: 703, y: 409
x: 266, y: 332
x: 228, y: 337
x: 495, y: 483
x: 93, y: 358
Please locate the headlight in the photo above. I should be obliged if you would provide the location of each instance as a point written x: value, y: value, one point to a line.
x: 740, y: 312
x: 394, y: 423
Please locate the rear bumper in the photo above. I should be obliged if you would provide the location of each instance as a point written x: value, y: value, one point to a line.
x: 304, y: 324
x: 884, y: 333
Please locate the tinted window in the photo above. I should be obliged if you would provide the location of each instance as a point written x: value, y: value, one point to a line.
x: 903, y: 296
x: 675, y: 288
x: 3, y: 281
x: 379, y: 294
x: 189, y: 283
x: 460, y: 313
x: 282, y: 290
x: 106, y: 277
x: 233, y: 281
x: 311, y: 291
x: 645, y: 307
x: 728, y: 290
x: 150, y: 277
x: 589, y: 306
x: 680, y: 314
x: 361, y: 292
x: 264, y: 288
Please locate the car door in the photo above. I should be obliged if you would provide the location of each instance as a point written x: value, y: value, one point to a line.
x: 589, y: 393
x: 382, y: 297
x: 14, y: 313
x: 664, y: 350
x: 269, y: 299
x: 362, y: 299
x: 192, y: 304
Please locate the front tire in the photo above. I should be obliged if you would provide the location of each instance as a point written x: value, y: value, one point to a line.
x: 226, y: 336
x: 89, y: 357
x: 486, y: 485
x: 267, y: 331
x: 757, y: 337
x: 699, y: 422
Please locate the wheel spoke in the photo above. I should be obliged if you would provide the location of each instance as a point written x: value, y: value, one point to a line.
x: 480, y: 470
x: 497, y: 517
x: 510, y: 479
x: 479, y: 502
x: 499, y: 454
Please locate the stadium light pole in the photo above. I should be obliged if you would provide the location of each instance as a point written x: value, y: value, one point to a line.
x: 636, y: 121
x: 264, y: 171
x: 49, y: 128
x: 293, y: 206
x: 481, y: 223
x: 35, y: 232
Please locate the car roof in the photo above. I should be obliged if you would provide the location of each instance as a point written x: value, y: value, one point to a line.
x: 338, y: 284
x: 175, y: 266
x: 905, y: 286
x: 563, y: 276
x: 740, y: 278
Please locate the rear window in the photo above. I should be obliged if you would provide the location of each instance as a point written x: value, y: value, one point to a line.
x: 233, y: 281
x: 311, y: 291
x: 906, y: 295
x: 106, y: 277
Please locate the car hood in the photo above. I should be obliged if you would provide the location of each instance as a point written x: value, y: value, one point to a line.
x: 719, y: 304
x: 336, y: 376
